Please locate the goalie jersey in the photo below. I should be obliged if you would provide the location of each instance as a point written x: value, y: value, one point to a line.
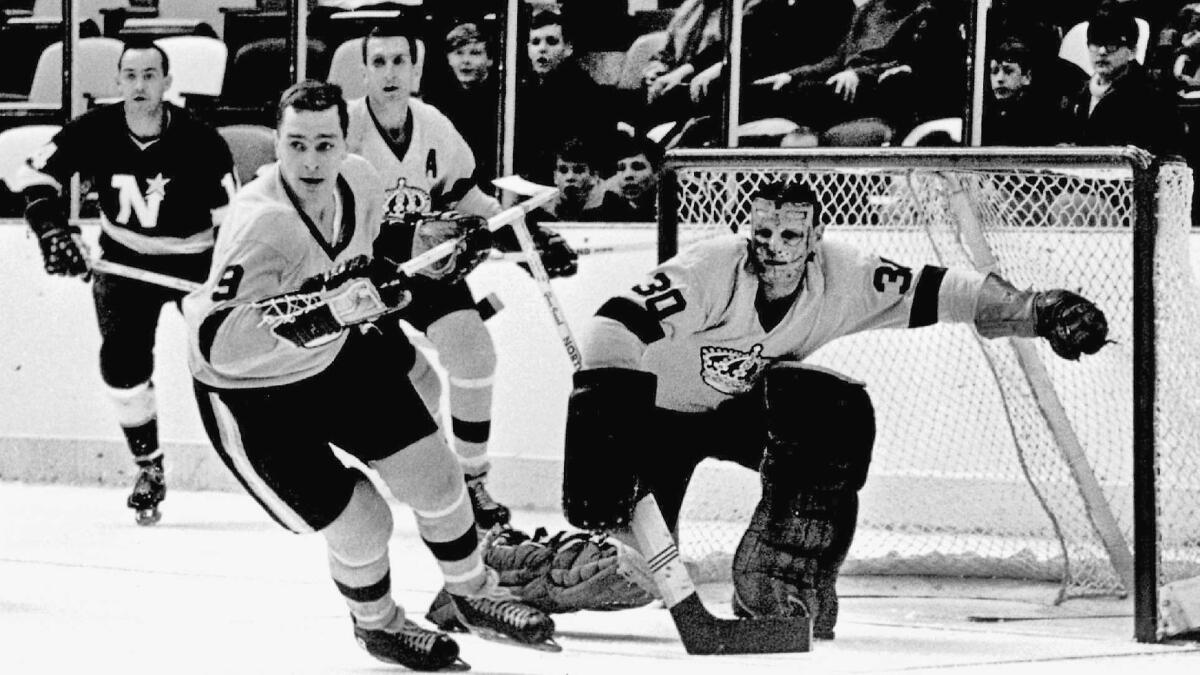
x: 432, y: 171
x: 694, y: 322
x: 267, y: 247
x: 161, y: 197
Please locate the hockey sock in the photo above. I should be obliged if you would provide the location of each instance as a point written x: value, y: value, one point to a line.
x: 137, y: 413
x: 465, y: 349
x: 367, y: 588
x: 450, y: 534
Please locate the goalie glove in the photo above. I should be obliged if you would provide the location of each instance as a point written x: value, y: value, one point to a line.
x: 1071, y: 323
x: 559, y: 259
x: 61, y: 254
x: 419, y: 232
x: 357, y: 291
x: 569, y: 572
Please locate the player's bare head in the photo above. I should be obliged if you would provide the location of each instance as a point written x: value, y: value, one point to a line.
x: 468, y: 54
x: 390, y: 54
x: 143, y: 74
x: 310, y: 138
x: 549, y: 44
x: 784, y: 230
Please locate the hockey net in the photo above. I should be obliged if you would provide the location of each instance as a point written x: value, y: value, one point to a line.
x: 994, y: 458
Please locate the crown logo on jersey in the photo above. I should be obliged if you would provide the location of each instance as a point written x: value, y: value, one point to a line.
x: 732, y: 371
x: 403, y: 199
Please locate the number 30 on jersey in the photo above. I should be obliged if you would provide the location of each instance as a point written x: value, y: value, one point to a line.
x: 661, y: 300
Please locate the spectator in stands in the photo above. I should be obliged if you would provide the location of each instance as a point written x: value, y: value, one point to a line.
x: 1182, y: 39
x: 777, y: 35
x: 1017, y: 112
x: 1119, y: 105
x: 470, y: 98
x: 577, y: 176
x: 900, y: 61
x: 695, y: 41
x: 556, y: 99
x: 633, y: 193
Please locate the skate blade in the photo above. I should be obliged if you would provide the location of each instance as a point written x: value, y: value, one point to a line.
x: 549, y: 645
x: 147, y: 517
x: 459, y: 666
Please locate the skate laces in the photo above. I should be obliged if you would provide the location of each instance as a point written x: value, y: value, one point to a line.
x: 480, y: 497
x: 509, y: 612
x: 417, y: 638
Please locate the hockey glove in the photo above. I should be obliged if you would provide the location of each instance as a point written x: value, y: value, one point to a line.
x: 60, y: 253
x: 473, y: 237
x: 569, y: 572
x: 358, y: 291
x: 1072, y: 324
x: 559, y: 259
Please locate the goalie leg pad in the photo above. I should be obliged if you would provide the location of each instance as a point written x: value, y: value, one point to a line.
x: 820, y: 430
x: 607, y: 415
x: 788, y: 560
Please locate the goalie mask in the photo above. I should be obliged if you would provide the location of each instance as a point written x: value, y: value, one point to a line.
x: 784, y: 232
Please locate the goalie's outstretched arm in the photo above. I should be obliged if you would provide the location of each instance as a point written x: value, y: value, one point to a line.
x: 1072, y: 324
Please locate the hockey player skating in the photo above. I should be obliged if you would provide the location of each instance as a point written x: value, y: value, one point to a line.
x: 287, y: 360
x: 705, y: 359
x: 427, y: 166
x: 163, y: 179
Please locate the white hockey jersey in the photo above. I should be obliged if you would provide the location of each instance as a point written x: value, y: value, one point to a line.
x: 267, y: 247
x: 432, y: 171
x: 694, y: 323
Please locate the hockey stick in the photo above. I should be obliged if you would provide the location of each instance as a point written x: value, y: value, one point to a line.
x: 117, y: 269
x: 699, y: 630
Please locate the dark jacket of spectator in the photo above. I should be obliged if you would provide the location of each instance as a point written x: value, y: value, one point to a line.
x: 614, y: 208
x: 1032, y: 118
x: 474, y: 112
x: 1133, y: 112
x: 884, y: 34
x: 778, y: 35
x: 567, y: 102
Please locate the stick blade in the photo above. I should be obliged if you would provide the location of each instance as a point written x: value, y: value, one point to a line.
x: 704, y: 634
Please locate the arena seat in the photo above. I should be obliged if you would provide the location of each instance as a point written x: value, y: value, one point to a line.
x: 952, y: 127
x: 96, y: 69
x: 259, y: 71
x: 197, y: 65
x: 252, y: 146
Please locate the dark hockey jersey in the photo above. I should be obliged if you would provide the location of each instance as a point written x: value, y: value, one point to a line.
x: 157, y: 198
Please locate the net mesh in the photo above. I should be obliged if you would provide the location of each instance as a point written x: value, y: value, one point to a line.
x: 971, y: 476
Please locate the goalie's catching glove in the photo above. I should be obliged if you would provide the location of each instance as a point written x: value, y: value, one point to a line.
x: 559, y: 259
x: 56, y: 238
x: 569, y: 572
x: 357, y: 291
x: 1071, y: 323
x: 401, y: 240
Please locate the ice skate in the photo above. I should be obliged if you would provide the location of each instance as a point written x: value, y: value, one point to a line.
x: 488, y: 512
x: 149, y: 489
x: 494, y: 615
x: 411, y: 646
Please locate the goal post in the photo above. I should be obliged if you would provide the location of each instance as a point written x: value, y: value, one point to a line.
x: 996, y: 458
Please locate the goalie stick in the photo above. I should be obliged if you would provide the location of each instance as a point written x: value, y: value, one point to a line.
x: 700, y: 631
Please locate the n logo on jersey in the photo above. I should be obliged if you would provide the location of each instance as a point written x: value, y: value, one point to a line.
x: 404, y: 199
x: 133, y: 201
x: 732, y: 371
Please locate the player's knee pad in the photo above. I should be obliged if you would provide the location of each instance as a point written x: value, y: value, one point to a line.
x: 135, y: 405
x: 820, y: 430
x: 424, y: 475
x: 359, y: 535
x: 464, y: 347
x: 608, y: 414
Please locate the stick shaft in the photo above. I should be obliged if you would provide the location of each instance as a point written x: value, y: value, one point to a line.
x: 166, y: 281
